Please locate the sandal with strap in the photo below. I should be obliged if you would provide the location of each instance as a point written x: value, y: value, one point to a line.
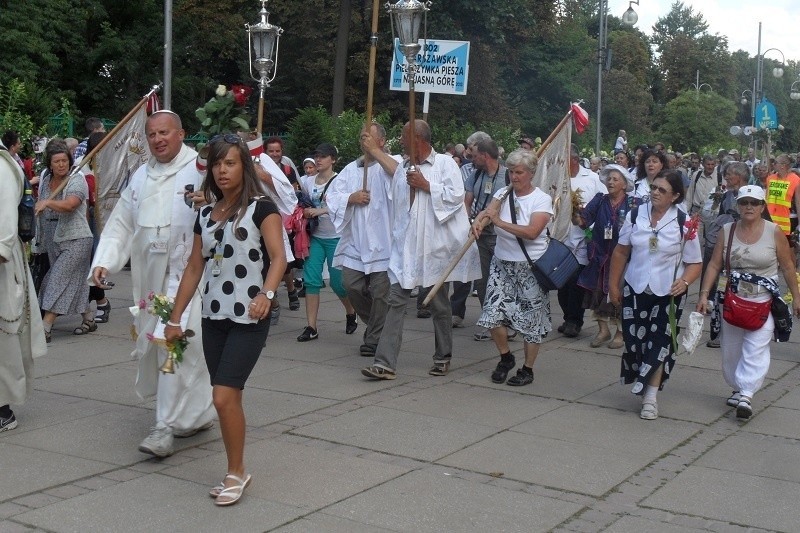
x: 87, y: 327
x: 233, y: 493
x: 649, y: 411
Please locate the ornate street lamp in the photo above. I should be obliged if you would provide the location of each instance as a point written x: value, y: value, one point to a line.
x: 262, y: 42
x: 630, y: 17
x: 794, y: 93
x: 407, y: 17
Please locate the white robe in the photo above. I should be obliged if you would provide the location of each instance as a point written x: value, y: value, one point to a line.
x: 152, y: 208
x: 429, y: 235
x: 366, y: 230
x: 285, y: 197
x: 21, y: 331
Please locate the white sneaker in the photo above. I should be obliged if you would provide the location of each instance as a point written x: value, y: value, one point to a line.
x: 158, y: 442
x: 192, y: 431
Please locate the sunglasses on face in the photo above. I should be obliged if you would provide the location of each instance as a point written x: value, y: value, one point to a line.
x: 746, y: 202
x: 662, y: 190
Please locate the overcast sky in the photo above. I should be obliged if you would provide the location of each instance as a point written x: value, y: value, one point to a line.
x: 737, y: 20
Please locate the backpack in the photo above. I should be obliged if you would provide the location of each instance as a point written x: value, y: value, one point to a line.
x: 26, y: 221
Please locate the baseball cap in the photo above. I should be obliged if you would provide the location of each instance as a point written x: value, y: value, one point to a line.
x: 326, y: 149
x: 751, y: 191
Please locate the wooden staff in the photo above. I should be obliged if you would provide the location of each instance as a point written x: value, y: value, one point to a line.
x: 373, y: 49
x: 471, y: 237
x: 105, y: 140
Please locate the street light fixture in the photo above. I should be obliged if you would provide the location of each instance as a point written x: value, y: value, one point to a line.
x: 794, y: 93
x: 744, y: 96
x: 407, y: 17
x: 262, y: 42
x: 630, y: 17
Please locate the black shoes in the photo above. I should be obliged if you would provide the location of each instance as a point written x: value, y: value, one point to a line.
x: 309, y: 334
x: 571, y: 330
x: 352, y: 324
x: 501, y: 371
x: 523, y: 377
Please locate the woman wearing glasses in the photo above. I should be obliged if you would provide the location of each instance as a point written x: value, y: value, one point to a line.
x: 238, y: 250
x: 664, y: 261
x: 757, y: 250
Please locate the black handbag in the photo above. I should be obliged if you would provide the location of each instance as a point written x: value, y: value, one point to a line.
x: 556, y: 266
x: 782, y: 315
x: 40, y: 265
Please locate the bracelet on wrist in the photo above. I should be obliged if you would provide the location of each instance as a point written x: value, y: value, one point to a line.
x: 173, y: 324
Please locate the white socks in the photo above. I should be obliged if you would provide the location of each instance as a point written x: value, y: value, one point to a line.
x: 650, y: 392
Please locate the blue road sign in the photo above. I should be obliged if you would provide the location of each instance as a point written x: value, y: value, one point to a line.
x: 766, y: 115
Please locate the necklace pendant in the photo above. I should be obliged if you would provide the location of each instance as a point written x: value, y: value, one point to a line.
x: 652, y: 244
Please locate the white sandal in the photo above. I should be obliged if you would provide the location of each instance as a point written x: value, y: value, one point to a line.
x: 234, y: 490
x: 649, y: 411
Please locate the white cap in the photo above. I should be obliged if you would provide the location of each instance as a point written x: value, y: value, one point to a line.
x: 751, y: 191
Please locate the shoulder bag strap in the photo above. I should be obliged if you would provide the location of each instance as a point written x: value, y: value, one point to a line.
x: 728, y: 252
x: 325, y: 189
x: 514, y: 221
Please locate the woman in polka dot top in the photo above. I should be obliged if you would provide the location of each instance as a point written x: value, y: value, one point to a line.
x: 238, y: 253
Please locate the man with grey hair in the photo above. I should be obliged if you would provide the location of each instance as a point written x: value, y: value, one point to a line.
x: 363, y: 217
x: 429, y: 227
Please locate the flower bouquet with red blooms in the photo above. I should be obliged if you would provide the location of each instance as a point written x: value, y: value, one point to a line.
x: 161, y: 306
x: 690, y: 228
x: 225, y: 111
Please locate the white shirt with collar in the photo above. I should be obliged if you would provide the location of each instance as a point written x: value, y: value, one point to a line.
x: 589, y: 184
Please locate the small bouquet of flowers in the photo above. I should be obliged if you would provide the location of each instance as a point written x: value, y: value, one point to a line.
x: 161, y: 306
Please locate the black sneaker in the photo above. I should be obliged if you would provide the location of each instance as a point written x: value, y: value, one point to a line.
x: 294, y: 300
x: 352, y: 324
x: 7, y: 424
x: 367, y: 350
x: 501, y: 371
x: 522, y: 378
x: 423, y: 313
x: 309, y: 334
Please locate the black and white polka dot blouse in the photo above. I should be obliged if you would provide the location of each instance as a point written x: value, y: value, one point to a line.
x: 235, y: 269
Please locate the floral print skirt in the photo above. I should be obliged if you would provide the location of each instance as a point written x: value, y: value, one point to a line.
x: 515, y: 299
x: 648, y: 338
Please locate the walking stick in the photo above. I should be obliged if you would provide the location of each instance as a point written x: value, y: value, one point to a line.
x: 373, y: 48
x: 471, y: 237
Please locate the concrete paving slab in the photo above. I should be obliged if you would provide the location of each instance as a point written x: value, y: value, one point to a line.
x: 44, y: 409
x: 710, y: 359
x: 329, y: 524
x: 421, y: 501
x: 308, y: 477
x: 791, y: 400
x: 635, y: 524
x: 588, y: 373
x: 478, y: 405
x: 691, y: 394
x: 267, y: 364
x: 319, y: 351
x: 321, y: 381
x: 756, y: 455
x: 610, y: 429
x: 554, y: 463
x: 774, y: 421
x: 157, y: 503
x: 106, y: 383
x: 396, y: 432
x: 718, y: 494
x: 263, y: 407
x: 111, y: 436
x: 27, y: 470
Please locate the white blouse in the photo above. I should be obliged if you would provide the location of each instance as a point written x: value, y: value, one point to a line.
x: 656, y: 252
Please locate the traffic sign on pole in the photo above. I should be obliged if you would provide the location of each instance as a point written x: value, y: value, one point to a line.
x: 766, y: 115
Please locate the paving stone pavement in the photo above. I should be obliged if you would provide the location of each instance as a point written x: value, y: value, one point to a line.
x: 330, y: 450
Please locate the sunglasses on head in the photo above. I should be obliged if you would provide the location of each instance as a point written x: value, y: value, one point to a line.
x: 662, y: 190
x: 748, y: 201
x: 230, y: 138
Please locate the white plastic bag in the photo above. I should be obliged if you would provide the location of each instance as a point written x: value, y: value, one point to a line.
x: 691, y: 333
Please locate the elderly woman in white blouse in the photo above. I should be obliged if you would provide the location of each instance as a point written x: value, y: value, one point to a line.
x: 665, y: 259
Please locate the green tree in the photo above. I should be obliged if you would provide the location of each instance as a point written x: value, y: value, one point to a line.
x: 695, y: 121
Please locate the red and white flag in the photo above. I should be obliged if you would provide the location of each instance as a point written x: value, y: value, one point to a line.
x: 580, y: 118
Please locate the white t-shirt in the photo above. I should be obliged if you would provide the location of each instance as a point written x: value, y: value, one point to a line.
x: 325, y: 230
x: 507, y: 247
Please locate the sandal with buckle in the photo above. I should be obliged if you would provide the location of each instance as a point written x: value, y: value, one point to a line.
x: 233, y: 493
x: 649, y: 411
x: 87, y: 327
x: 102, y: 313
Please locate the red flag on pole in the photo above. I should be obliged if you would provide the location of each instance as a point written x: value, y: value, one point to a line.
x: 580, y: 118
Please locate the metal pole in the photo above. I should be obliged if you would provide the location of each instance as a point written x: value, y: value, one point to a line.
x: 600, y: 60
x: 167, y: 54
x: 697, y: 83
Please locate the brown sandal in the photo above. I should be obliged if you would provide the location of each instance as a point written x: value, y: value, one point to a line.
x: 87, y: 327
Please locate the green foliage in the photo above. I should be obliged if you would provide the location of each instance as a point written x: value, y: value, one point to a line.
x: 12, y: 117
x: 309, y: 127
x: 693, y: 121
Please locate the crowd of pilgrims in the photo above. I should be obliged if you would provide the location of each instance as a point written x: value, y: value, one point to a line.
x: 647, y: 225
